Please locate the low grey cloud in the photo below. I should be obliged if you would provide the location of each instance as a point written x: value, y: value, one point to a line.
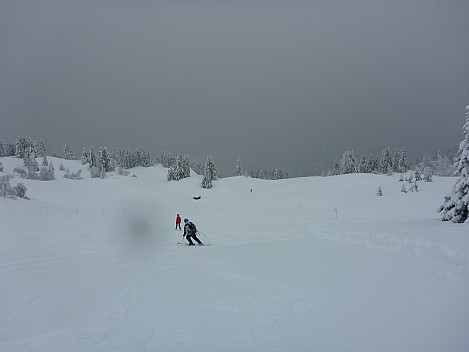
x: 287, y: 84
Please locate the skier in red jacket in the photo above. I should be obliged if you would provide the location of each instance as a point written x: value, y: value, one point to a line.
x: 178, y: 222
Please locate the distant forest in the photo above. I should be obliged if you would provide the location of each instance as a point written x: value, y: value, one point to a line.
x: 102, y: 160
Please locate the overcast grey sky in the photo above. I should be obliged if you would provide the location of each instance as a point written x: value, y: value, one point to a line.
x: 290, y: 84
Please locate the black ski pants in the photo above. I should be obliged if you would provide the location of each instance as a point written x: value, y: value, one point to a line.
x: 189, y: 238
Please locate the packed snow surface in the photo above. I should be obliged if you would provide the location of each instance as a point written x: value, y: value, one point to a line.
x: 304, y: 264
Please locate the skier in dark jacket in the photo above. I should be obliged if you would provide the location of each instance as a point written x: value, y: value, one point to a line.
x: 190, y: 233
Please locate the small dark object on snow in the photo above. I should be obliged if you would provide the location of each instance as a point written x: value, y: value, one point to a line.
x: 197, y: 198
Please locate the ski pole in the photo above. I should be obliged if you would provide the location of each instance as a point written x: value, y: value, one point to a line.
x: 200, y: 233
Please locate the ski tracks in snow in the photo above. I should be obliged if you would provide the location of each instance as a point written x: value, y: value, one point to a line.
x: 458, y: 258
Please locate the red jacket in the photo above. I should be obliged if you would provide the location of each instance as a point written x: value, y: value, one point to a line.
x: 178, y: 219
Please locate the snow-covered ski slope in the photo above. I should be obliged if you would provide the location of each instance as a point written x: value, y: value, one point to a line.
x: 94, y: 265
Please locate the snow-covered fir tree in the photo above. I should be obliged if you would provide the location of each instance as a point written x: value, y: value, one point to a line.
x: 9, y: 149
x: 442, y: 165
x: 403, y: 189
x: 276, y: 175
x: 210, y: 173
x: 104, y: 160
x: 176, y: 171
x: 93, y: 159
x: 455, y: 207
x: 385, y: 162
x: 68, y: 153
x: 166, y: 159
x: 44, y: 161
x: 380, y: 192
x: 1, y: 167
x: 32, y: 167
x: 186, y: 166
x: 262, y: 174
x: 400, y: 160
x: 427, y: 174
x: 41, y: 149
x: 85, y: 159
x: 239, y: 168
x: 24, y: 146
x: 363, y: 166
x: 417, y: 174
x: 348, y: 163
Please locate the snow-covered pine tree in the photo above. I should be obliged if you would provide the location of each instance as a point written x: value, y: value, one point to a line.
x: 166, y: 160
x: 276, y: 174
x: 51, y: 171
x: 400, y: 163
x: 69, y: 154
x: 348, y: 163
x: 24, y: 146
x: 239, y: 168
x: 403, y: 189
x: 105, y: 161
x: 93, y: 160
x: 427, y: 174
x: 262, y: 174
x: 380, y: 192
x: 176, y: 171
x: 186, y: 166
x: 2, y: 149
x: 418, y: 174
x: 1, y: 167
x: 85, y: 159
x: 442, y: 165
x: 385, y: 162
x: 210, y: 173
x: 9, y: 149
x: 455, y: 207
x: 363, y: 165
x: 41, y: 149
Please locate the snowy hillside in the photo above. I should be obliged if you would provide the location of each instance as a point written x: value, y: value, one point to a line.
x: 94, y: 265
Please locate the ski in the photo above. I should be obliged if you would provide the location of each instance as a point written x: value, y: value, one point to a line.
x: 195, y: 245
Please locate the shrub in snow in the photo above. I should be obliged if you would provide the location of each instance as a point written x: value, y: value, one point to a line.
x: 95, y: 172
x: 5, y: 188
x: 1, y: 167
x: 73, y: 175
x: 401, y: 179
x: 403, y: 189
x: 455, y: 207
x: 21, y: 172
x: 123, y: 172
x: 380, y: 192
x: 20, y: 190
x: 414, y: 187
